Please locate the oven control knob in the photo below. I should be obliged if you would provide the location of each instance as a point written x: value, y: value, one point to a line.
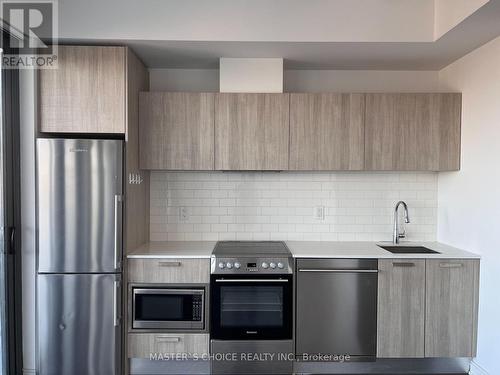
x: 221, y: 265
x: 229, y: 265
x: 272, y: 265
x: 237, y: 265
x: 281, y: 265
x: 265, y: 265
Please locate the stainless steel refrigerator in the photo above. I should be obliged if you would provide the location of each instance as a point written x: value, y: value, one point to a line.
x: 79, y: 223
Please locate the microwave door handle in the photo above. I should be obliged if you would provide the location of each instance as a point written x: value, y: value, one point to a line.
x: 168, y: 291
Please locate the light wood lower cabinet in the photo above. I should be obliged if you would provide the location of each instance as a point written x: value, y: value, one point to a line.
x: 401, y: 308
x: 451, y: 307
x: 427, y: 308
x: 142, y: 345
x: 169, y: 271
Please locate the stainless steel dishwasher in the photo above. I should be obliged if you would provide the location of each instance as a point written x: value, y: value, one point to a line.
x: 336, y: 309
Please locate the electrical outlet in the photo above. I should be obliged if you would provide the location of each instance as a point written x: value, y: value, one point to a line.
x: 319, y: 213
x: 183, y: 214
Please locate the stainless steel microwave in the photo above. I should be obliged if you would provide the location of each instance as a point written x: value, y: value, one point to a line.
x: 175, y: 308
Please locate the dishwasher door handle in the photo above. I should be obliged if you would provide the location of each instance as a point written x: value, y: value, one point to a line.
x: 327, y: 270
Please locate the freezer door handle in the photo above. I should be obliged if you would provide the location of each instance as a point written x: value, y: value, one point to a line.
x: 117, y: 304
x: 118, y: 231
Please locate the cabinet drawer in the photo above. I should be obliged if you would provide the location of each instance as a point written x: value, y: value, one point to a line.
x: 169, y: 270
x: 141, y: 345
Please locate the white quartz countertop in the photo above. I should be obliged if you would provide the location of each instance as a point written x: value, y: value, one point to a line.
x: 326, y: 249
x: 303, y: 249
x: 174, y: 249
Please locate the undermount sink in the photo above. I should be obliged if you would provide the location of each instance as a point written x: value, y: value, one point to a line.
x: 408, y: 249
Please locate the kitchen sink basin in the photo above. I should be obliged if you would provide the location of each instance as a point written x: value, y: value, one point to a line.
x: 408, y: 249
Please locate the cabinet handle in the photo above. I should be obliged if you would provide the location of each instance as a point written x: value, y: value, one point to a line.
x: 403, y: 264
x: 450, y: 265
x: 168, y: 339
x: 169, y: 264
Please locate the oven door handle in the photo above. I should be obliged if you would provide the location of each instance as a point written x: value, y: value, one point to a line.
x: 251, y: 280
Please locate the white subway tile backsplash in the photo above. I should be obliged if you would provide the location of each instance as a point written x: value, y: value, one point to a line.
x: 280, y: 206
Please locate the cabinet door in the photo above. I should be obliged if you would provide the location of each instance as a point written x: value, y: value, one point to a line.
x: 86, y: 93
x: 176, y: 131
x: 450, y: 320
x: 412, y: 132
x: 401, y: 305
x: 327, y: 131
x: 252, y: 131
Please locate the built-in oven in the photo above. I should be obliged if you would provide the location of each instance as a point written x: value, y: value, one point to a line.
x: 168, y: 308
x: 251, y: 307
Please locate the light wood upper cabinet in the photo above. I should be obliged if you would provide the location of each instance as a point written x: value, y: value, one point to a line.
x: 451, y: 307
x: 401, y: 308
x: 412, y: 132
x: 86, y: 93
x: 176, y: 131
x: 327, y: 131
x: 251, y: 131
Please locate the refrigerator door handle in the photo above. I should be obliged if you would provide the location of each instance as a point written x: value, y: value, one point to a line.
x: 117, y: 303
x: 118, y: 231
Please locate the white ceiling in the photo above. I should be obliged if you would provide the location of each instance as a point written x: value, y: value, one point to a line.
x: 250, y: 20
x: 313, y: 34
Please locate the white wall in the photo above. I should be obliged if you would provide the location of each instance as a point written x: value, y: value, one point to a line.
x: 206, y: 80
x: 251, y: 75
x: 360, y: 81
x: 469, y: 200
x: 304, y: 80
x: 358, y: 206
